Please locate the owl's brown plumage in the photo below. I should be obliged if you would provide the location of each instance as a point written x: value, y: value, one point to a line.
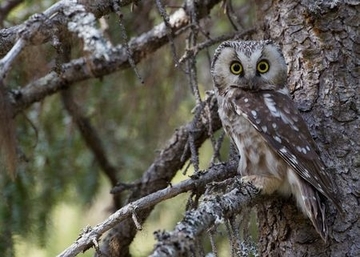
x: 277, y: 152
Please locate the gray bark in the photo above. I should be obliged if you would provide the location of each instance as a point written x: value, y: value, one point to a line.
x: 321, y: 43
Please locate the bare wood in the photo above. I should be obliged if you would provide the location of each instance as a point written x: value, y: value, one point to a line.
x: 211, y: 211
x: 93, y: 66
x: 169, y: 160
x: 216, y: 173
x: 9, y: 36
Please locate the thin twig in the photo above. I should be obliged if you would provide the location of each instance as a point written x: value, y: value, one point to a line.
x: 217, y: 147
x: 216, y: 144
x: 210, y: 42
x: 135, y: 219
x: 166, y: 20
x: 191, y: 42
x: 124, y: 36
x: 27, y: 33
x: 211, y: 233
x: 229, y: 11
x: 191, y: 138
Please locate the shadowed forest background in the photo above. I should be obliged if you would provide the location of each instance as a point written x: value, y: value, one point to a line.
x: 127, y: 105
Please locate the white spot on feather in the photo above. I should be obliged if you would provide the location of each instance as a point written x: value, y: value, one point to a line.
x: 254, y: 113
x: 293, y: 159
x: 277, y: 138
x: 307, y: 174
x: 283, y: 150
x: 301, y: 149
x: 270, y: 104
x: 295, y: 128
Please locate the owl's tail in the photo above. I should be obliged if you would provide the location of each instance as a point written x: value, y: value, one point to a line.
x: 313, y: 206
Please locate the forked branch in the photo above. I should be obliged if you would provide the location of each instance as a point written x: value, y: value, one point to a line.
x: 86, y: 239
x: 212, y: 210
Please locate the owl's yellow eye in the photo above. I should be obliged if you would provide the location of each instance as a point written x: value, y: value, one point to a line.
x: 236, y: 68
x: 263, y: 66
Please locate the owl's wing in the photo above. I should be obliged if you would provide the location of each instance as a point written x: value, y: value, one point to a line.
x: 281, y: 125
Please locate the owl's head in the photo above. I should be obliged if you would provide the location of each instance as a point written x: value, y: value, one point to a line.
x: 249, y: 65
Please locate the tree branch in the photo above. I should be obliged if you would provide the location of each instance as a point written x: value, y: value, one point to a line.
x: 112, y: 59
x: 218, y: 172
x: 98, y: 8
x: 171, y: 159
x: 88, y: 132
x: 211, y: 211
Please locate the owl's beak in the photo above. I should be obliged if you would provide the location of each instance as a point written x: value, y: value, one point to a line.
x: 252, y: 84
x: 250, y: 74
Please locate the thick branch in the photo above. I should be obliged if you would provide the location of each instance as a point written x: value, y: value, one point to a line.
x: 213, y: 209
x: 159, y: 174
x: 87, y: 131
x: 99, y: 8
x: 218, y: 172
x: 114, y: 59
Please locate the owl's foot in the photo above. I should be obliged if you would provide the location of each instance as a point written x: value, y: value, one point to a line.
x: 266, y: 185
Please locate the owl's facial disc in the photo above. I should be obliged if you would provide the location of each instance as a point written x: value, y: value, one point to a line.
x: 250, y: 66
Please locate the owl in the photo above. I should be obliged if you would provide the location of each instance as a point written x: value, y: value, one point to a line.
x: 277, y: 151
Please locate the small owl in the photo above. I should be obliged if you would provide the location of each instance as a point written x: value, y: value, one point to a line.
x: 277, y: 152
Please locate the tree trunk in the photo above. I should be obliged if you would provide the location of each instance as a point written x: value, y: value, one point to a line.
x: 321, y: 44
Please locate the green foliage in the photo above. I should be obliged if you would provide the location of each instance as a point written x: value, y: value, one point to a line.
x: 133, y: 120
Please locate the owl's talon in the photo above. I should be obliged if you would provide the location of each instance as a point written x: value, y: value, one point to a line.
x: 252, y: 181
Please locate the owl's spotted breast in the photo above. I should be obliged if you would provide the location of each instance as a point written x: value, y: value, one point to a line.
x: 257, y: 157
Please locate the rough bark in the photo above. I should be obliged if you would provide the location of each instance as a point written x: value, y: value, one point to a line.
x: 218, y: 172
x: 321, y: 44
x: 231, y: 197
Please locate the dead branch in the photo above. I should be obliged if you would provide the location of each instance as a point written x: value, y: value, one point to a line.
x: 212, y: 210
x: 171, y: 159
x: 98, y: 8
x: 110, y: 60
x: 193, y: 51
x: 77, y: 20
x: 88, y: 132
x: 218, y: 172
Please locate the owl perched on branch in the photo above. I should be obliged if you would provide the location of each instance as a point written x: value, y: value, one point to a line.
x: 277, y: 152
